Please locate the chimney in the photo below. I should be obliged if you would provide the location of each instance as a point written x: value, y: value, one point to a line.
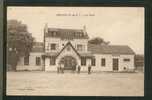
x: 84, y: 30
x: 46, y: 28
x: 45, y: 31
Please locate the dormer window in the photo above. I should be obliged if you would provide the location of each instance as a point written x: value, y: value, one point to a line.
x: 80, y: 34
x: 77, y: 34
x: 54, y: 33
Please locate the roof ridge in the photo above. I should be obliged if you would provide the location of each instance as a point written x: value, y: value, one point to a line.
x: 115, y: 49
x: 107, y: 45
x: 64, y: 28
x: 68, y: 43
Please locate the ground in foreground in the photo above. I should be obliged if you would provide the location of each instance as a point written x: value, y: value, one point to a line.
x: 73, y: 84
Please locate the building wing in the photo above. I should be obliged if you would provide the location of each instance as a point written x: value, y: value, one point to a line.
x: 110, y: 49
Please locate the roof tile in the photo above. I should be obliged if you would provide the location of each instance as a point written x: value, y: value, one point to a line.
x: 110, y: 49
x: 66, y: 33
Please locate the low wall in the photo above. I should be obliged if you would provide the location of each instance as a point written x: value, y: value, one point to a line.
x: 29, y: 68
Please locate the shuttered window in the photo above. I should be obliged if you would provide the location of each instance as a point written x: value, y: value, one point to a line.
x: 52, y: 61
x: 83, y: 61
x: 103, y: 62
x: 26, y: 60
x: 38, y: 61
x: 93, y: 62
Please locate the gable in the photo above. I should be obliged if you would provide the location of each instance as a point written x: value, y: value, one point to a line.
x: 68, y: 49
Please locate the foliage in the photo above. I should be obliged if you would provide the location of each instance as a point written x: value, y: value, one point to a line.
x: 98, y: 41
x: 19, y: 41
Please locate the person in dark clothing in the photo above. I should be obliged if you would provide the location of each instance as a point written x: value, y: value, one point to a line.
x: 62, y: 67
x: 89, y: 69
x: 58, y: 68
x: 79, y: 68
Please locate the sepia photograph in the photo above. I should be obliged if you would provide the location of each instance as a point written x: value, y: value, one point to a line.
x: 75, y: 51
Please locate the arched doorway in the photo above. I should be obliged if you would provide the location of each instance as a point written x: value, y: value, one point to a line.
x: 69, y: 63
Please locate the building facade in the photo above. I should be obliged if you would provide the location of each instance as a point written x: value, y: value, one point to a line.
x: 71, y: 47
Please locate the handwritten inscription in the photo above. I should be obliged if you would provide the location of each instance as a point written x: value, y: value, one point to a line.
x: 74, y: 14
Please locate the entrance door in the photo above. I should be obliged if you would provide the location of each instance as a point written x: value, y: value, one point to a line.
x: 115, y: 64
x: 69, y: 63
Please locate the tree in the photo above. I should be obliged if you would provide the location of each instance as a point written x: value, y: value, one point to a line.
x: 19, y: 42
x: 98, y: 41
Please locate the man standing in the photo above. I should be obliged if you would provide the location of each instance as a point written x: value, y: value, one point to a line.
x: 79, y: 68
x: 62, y: 67
x: 58, y: 68
x: 89, y: 69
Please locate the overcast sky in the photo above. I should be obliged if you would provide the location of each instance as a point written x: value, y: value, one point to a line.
x: 119, y: 25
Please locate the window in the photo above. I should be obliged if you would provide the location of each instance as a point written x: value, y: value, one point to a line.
x: 38, y: 61
x: 93, y: 62
x: 47, y: 48
x: 83, y: 61
x: 53, y: 46
x: 80, y: 34
x: 52, y: 61
x: 80, y: 47
x: 54, y: 34
x: 26, y: 60
x: 103, y: 62
x: 126, y: 59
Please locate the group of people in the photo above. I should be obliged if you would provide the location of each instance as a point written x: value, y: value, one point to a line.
x: 60, y: 68
x: 89, y: 69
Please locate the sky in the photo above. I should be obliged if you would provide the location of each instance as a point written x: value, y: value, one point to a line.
x: 119, y: 25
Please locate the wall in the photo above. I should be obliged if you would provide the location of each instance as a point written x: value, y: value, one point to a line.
x: 32, y: 66
x: 109, y: 62
x: 60, y: 43
x: 108, y: 65
x: 98, y: 68
x: 49, y: 67
x: 85, y: 68
x: 32, y: 62
x: 129, y: 65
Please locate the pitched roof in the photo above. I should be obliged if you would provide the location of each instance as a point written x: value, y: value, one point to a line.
x: 87, y: 54
x: 139, y: 57
x: 66, y: 33
x: 37, y: 47
x: 110, y: 49
x: 69, y: 43
x: 52, y: 54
